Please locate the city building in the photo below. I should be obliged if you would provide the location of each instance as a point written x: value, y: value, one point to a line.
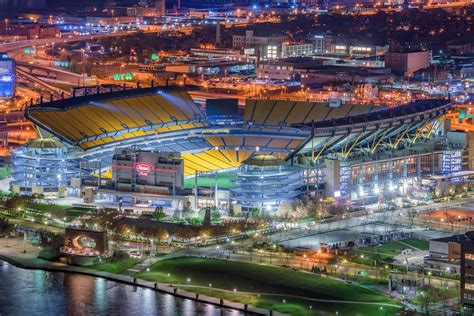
x: 216, y: 67
x: 265, y: 47
x: 7, y: 76
x: 406, y: 63
x: 286, y: 69
x: 109, y: 21
x: 467, y: 273
x: 296, y: 50
x: 161, y: 7
x: 17, y: 31
x: 325, y: 74
x: 455, y: 254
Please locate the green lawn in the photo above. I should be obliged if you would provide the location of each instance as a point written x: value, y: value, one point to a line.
x: 391, y: 249
x: 248, y: 277
x: 417, y: 243
x: 224, y: 181
x: 116, y: 266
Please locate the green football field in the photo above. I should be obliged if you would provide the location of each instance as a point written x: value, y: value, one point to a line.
x: 224, y: 180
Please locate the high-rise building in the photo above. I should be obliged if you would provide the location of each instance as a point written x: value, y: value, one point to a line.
x: 161, y: 7
x: 7, y: 76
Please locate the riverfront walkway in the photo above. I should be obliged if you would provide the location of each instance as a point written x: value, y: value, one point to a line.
x: 23, y: 255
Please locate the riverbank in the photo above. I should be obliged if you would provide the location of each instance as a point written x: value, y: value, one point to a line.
x: 22, y: 255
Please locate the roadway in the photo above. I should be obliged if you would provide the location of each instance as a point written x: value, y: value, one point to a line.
x: 14, y: 46
x: 41, y: 82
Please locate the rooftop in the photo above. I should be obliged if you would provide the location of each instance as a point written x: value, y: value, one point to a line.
x: 44, y: 143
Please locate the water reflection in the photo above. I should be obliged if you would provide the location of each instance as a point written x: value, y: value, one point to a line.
x: 36, y: 292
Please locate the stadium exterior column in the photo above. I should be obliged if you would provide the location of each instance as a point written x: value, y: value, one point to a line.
x: 215, y: 191
x: 195, y: 190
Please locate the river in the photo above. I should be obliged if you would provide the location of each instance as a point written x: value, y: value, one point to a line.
x: 37, y: 292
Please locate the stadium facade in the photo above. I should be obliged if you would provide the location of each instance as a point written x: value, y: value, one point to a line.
x: 43, y: 166
x: 347, y: 151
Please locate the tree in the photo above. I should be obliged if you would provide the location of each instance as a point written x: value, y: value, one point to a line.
x: 254, y: 212
x: 159, y: 214
x: 451, y: 219
x: 427, y: 296
x: 284, y: 213
x: 411, y: 214
x: 215, y: 215
x: 105, y: 218
x: 5, y: 226
x: 185, y: 232
x: 187, y: 210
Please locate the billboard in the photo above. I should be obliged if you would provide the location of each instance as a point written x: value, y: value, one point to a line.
x: 7, y: 76
x: 222, y: 109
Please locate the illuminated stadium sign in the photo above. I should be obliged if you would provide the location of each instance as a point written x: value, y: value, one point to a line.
x: 143, y: 168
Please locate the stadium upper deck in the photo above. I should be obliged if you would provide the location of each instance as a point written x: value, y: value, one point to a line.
x: 167, y: 119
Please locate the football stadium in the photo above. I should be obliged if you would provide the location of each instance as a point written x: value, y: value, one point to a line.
x: 157, y: 146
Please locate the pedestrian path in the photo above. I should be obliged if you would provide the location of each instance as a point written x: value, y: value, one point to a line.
x: 294, y: 296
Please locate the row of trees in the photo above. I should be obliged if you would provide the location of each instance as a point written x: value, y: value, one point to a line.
x: 430, y: 295
x: 305, y: 207
x: 109, y: 220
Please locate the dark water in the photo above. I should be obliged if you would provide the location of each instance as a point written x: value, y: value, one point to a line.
x: 36, y: 292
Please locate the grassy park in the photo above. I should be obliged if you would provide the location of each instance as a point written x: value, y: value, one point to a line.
x: 116, y: 265
x: 275, y: 288
x: 391, y: 249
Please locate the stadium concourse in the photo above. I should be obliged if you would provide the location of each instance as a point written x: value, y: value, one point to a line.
x: 304, y: 133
